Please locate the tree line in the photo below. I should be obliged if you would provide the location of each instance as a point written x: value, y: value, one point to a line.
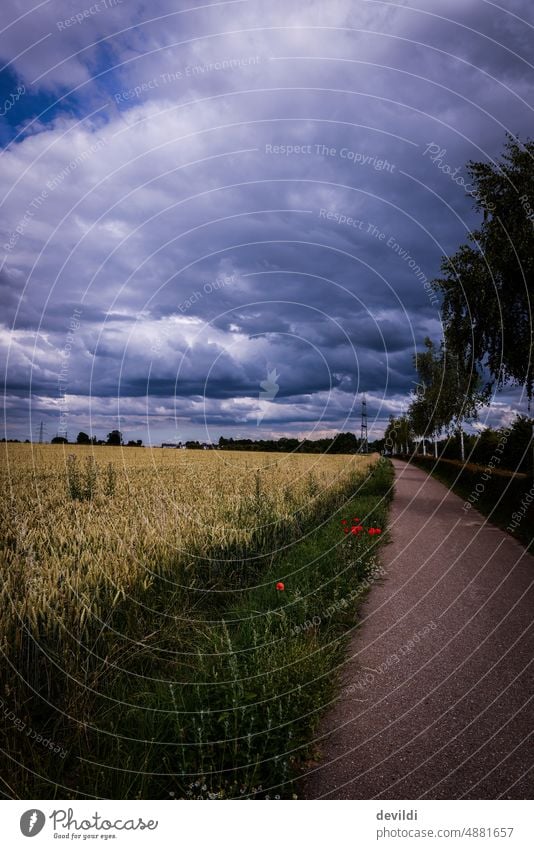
x: 114, y: 437
x: 513, y: 441
x: 341, y: 443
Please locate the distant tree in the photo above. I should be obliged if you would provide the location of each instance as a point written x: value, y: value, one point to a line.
x: 139, y: 443
x: 344, y: 443
x: 518, y: 446
x: 515, y: 441
x: 406, y: 434
x: 59, y: 440
x: 447, y: 394
x: 83, y: 438
x: 399, y: 435
x: 114, y: 438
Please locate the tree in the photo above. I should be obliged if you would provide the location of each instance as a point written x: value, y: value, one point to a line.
x: 487, y: 284
x: 518, y: 445
x: 344, y: 443
x: 405, y: 432
x: 59, y: 440
x: 83, y: 438
x: 398, y: 435
x: 447, y: 394
x: 114, y: 438
x: 426, y: 412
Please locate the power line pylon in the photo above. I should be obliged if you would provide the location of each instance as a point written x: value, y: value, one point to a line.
x: 364, y: 442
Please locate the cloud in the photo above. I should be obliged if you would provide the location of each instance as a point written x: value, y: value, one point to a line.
x: 225, y: 191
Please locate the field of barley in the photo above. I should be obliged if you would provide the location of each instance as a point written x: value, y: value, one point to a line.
x: 147, y: 650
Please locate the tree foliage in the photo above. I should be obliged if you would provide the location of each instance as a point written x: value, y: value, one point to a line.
x: 447, y: 394
x: 114, y: 438
x: 341, y: 443
x: 487, y: 285
x: 399, y: 434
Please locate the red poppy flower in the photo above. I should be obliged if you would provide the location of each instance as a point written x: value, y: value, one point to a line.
x: 356, y: 529
x: 280, y: 586
x: 345, y: 530
x: 356, y: 520
x: 343, y: 521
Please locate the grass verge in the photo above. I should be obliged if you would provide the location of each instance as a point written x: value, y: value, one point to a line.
x: 499, y: 495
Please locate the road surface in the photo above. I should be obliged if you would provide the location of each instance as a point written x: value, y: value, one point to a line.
x: 436, y: 699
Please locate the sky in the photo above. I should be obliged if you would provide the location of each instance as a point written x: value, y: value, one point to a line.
x: 223, y: 218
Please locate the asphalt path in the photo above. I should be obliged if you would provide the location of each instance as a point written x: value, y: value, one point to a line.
x: 436, y: 694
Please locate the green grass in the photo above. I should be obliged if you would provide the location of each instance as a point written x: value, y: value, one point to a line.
x: 501, y: 498
x: 223, y: 701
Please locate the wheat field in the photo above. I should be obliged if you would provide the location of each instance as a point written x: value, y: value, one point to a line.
x: 68, y: 559
x: 121, y: 566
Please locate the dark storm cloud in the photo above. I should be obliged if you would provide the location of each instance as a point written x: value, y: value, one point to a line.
x: 218, y: 193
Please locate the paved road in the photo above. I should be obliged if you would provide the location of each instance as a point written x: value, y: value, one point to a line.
x: 436, y: 699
